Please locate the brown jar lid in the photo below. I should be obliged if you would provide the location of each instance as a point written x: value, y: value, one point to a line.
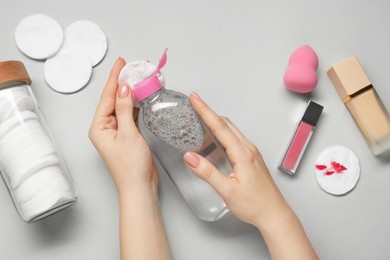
x: 13, y: 71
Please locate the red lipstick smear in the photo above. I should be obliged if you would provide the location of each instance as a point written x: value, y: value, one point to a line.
x: 334, y: 168
x: 338, y: 167
x: 329, y: 172
x: 320, y: 167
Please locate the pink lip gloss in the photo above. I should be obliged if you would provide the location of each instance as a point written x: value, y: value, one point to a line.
x: 301, y: 138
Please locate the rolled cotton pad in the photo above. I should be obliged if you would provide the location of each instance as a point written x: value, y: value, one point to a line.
x: 25, y: 103
x: 26, y: 151
x: 17, y: 119
x: 5, y: 110
x: 300, y: 75
x: 337, y: 170
x: 8, y: 101
x: 45, y: 190
x: 68, y: 71
x: 88, y: 37
x: 136, y: 71
x: 39, y: 36
x: 18, y: 101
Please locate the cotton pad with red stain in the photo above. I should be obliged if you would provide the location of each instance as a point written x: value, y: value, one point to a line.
x: 337, y: 170
x: 300, y: 75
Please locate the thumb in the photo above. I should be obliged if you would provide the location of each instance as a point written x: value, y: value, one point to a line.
x: 207, y: 172
x: 124, y: 109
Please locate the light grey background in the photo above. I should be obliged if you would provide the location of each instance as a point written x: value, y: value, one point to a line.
x: 234, y: 54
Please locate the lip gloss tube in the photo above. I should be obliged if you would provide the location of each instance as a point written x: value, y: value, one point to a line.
x: 302, y: 135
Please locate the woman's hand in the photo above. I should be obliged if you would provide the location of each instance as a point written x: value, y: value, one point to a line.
x: 129, y: 160
x: 249, y: 191
x: 117, y: 138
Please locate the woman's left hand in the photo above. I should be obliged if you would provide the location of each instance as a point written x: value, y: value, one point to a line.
x: 117, y: 139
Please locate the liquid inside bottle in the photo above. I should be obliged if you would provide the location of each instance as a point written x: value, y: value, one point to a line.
x: 172, y: 127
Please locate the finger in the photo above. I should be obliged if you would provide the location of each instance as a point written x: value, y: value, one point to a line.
x: 124, y: 110
x: 107, y: 100
x: 219, y: 128
x: 207, y: 172
x: 240, y: 135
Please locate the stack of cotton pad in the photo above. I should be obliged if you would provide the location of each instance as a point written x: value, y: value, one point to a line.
x: 70, y: 55
x: 28, y: 159
x: 136, y: 71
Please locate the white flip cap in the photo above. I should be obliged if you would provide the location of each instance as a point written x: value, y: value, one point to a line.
x: 337, y: 170
x: 68, y: 71
x: 88, y: 37
x: 39, y: 36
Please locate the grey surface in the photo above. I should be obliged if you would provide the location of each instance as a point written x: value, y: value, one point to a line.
x: 234, y: 54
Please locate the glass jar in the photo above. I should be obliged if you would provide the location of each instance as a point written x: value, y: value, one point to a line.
x: 32, y: 167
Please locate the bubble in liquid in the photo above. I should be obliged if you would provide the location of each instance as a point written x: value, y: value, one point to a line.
x: 178, y: 125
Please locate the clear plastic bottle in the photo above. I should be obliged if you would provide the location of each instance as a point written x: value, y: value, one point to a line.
x: 172, y: 127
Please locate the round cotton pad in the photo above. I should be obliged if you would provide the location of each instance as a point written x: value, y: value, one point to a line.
x: 136, y: 71
x: 88, y: 37
x: 337, y: 170
x: 39, y: 36
x: 68, y: 71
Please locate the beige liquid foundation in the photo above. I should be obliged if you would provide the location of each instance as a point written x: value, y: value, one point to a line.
x: 363, y: 102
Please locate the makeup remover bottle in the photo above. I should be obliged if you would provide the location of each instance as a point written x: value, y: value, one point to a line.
x: 172, y: 127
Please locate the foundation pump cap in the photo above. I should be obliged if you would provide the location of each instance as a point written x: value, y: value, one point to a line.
x: 152, y: 84
x: 348, y: 77
x: 13, y: 71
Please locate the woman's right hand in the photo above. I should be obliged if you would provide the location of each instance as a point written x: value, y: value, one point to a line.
x: 249, y: 191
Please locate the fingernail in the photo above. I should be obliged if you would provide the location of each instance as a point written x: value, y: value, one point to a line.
x: 196, y: 96
x: 191, y: 159
x: 123, y: 90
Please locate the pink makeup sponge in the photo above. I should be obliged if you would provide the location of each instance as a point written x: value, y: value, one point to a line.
x: 300, y: 75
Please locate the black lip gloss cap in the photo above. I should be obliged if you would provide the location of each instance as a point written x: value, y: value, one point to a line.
x: 312, y: 113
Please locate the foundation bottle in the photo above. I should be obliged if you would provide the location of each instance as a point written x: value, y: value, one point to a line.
x: 363, y: 102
